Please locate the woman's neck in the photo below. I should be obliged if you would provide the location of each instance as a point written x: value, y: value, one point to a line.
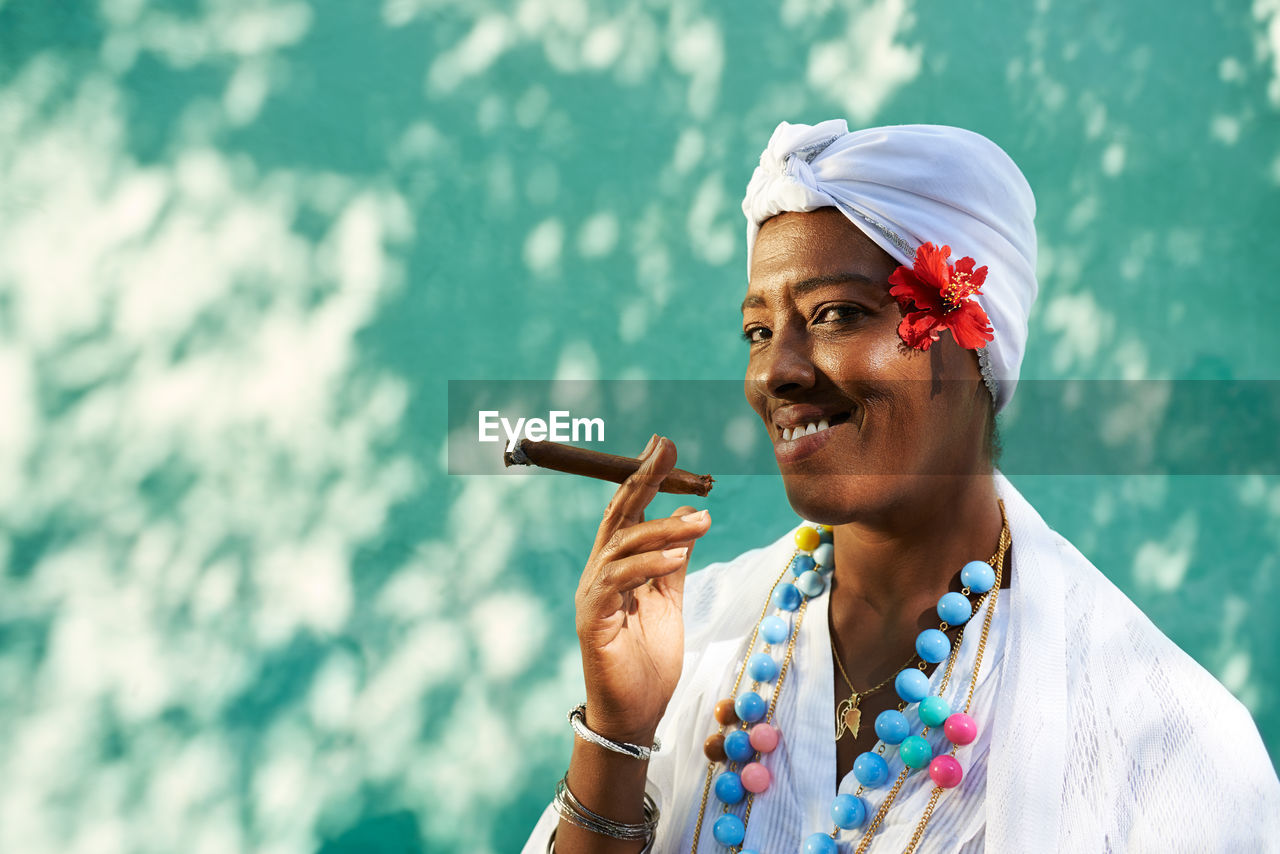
x: 891, y: 570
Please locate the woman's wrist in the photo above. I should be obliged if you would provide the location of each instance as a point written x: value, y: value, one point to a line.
x: 610, y: 785
x: 629, y: 732
x: 576, y: 813
x: 639, y: 749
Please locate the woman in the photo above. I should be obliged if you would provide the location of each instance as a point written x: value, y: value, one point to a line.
x: 923, y: 664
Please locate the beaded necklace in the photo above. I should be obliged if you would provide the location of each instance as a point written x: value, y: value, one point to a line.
x: 747, y: 734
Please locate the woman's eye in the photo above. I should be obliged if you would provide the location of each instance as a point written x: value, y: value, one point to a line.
x: 836, y: 313
x: 755, y: 334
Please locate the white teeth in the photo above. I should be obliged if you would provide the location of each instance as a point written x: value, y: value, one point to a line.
x: 790, y: 434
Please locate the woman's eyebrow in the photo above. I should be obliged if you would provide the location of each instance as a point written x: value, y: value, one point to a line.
x: 804, y: 286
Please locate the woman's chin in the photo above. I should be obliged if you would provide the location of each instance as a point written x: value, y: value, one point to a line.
x: 837, y: 499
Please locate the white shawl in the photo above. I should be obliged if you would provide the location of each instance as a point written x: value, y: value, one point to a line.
x: 1114, y: 741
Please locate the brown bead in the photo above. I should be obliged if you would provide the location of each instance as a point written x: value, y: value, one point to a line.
x: 714, y: 748
x: 725, y: 714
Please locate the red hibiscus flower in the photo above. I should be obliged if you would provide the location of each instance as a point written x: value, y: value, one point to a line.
x: 937, y: 295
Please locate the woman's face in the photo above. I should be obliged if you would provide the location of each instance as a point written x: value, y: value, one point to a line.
x: 822, y: 331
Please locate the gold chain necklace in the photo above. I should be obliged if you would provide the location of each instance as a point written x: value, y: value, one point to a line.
x: 848, y: 715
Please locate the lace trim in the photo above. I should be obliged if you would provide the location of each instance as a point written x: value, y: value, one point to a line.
x: 988, y: 375
x: 893, y: 236
x: 813, y: 149
x: 806, y: 153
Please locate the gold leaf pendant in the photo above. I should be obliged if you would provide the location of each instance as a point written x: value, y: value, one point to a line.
x: 848, y: 717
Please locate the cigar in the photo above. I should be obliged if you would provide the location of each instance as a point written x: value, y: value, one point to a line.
x: 567, y: 458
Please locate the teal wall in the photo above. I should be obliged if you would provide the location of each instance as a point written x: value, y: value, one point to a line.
x: 245, y: 245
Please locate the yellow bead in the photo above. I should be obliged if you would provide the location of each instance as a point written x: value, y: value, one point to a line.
x: 807, y: 538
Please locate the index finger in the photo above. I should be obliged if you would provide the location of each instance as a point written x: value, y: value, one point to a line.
x: 633, y: 496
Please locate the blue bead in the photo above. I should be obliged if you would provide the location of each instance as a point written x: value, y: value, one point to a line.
x: 978, y: 576
x: 933, y: 646
x: 934, y: 711
x: 774, y: 629
x: 729, y: 787
x: 954, y: 609
x: 749, y: 706
x: 870, y: 769
x: 911, y: 685
x: 825, y: 535
x: 892, y: 726
x: 762, y: 668
x: 825, y: 557
x: 800, y: 564
x: 729, y: 830
x: 737, y: 746
x: 811, y: 584
x: 819, y: 843
x: 848, y: 811
x: 915, y: 751
x: 787, y: 597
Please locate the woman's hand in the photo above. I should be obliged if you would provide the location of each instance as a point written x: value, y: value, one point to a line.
x: 630, y: 604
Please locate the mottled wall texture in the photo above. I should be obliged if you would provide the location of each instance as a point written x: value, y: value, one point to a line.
x: 245, y: 244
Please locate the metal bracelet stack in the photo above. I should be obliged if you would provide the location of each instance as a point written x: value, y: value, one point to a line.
x: 551, y: 844
x: 577, y: 718
x: 572, y: 811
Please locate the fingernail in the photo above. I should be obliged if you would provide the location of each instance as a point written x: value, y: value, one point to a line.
x: 680, y: 552
x: 648, y: 449
x: 696, y: 517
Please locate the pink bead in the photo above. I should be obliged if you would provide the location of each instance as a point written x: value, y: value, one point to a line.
x: 960, y: 729
x: 946, y: 771
x: 755, y: 777
x: 764, y: 738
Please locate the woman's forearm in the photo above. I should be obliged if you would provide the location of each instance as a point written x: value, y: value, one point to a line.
x: 609, y: 784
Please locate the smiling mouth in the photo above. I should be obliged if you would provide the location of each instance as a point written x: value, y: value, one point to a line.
x: 789, y: 434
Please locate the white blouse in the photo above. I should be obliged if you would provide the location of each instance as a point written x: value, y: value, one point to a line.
x: 1069, y: 769
x: 722, y: 603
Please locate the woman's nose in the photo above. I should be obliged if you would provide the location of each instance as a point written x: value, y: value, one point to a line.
x: 786, y: 366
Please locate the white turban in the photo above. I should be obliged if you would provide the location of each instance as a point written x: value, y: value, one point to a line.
x: 904, y: 185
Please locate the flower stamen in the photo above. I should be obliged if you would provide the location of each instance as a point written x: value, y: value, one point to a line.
x: 959, y: 289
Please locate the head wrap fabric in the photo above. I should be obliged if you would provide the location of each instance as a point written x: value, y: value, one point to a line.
x: 904, y: 185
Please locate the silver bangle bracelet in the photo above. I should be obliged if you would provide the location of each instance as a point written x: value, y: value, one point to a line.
x: 571, y: 810
x: 551, y: 844
x: 578, y: 720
